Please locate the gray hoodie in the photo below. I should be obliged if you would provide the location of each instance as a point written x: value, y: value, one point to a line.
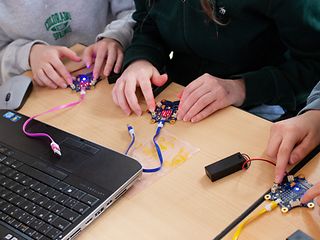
x: 313, y: 102
x: 58, y: 22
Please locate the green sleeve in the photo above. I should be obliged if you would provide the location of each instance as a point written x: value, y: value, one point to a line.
x: 298, y: 24
x: 147, y: 43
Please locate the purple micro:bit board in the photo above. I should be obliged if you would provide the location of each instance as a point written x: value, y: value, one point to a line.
x: 83, y: 81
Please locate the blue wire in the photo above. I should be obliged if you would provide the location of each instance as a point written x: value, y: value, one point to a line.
x: 152, y: 170
x: 131, y: 144
x: 149, y: 170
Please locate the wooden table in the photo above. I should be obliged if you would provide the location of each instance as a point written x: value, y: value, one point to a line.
x: 184, y: 204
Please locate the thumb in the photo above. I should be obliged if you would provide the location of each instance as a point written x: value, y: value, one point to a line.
x: 158, y: 79
x: 312, y: 193
x: 68, y: 53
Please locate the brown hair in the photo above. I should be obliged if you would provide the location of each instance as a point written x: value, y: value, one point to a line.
x: 209, y: 7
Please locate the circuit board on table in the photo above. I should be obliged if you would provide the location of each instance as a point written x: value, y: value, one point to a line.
x: 83, y: 82
x: 165, y: 111
x: 290, y: 192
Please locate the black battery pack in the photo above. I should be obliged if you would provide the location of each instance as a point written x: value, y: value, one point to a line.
x: 225, y: 166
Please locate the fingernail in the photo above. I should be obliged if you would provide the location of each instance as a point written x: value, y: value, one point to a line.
x: 64, y: 85
x: 179, y: 117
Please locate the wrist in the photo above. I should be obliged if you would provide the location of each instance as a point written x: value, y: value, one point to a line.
x: 33, y: 51
x: 239, y: 92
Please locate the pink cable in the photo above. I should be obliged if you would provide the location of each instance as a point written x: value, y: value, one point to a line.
x: 55, y: 147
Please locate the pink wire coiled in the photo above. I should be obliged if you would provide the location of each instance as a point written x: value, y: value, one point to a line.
x: 54, y: 146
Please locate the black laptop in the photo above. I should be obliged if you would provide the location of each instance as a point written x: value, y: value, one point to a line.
x: 44, y: 197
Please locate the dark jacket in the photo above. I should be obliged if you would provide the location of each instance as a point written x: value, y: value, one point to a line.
x: 273, y: 44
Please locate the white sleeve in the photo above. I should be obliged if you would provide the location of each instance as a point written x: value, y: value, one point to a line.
x: 120, y: 29
x: 14, y: 56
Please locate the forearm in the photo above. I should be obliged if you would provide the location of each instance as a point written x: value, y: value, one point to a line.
x: 120, y: 29
x: 14, y: 58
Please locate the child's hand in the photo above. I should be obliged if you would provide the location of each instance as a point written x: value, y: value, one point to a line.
x: 106, y: 51
x: 47, y: 67
x: 207, y: 94
x: 141, y: 74
x: 292, y: 139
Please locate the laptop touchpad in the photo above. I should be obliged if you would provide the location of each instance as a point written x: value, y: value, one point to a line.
x: 70, y: 160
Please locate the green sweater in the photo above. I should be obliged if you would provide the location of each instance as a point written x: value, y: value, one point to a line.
x: 273, y: 44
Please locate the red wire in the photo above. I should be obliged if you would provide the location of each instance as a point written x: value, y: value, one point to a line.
x: 248, y: 161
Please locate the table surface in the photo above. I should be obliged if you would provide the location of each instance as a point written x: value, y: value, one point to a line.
x: 184, y: 203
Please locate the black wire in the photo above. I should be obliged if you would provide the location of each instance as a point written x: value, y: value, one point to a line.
x: 257, y: 203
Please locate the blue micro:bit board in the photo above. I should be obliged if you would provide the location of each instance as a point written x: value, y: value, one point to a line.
x: 165, y: 111
x: 290, y: 192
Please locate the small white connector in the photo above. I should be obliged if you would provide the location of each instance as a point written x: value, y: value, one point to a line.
x: 55, y: 148
x: 270, y: 206
x: 290, y: 178
x: 274, y: 187
x: 130, y: 130
x: 160, y: 124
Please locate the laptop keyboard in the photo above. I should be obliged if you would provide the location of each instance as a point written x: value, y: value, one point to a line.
x: 36, y: 203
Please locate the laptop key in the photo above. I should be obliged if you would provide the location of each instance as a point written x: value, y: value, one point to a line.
x: 3, y: 216
x: 61, y: 224
x: 69, y: 215
x: 49, y: 205
x: 27, y: 193
x: 61, y: 186
x: 37, y: 223
x: 63, y: 199
x: 23, y: 227
x: 70, y: 190
x: 8, y: 161
x: 89, y: 199
x: 50, y: 218
x: 53, y: 233
x: 45, y: 228
x: 39, y: 187
x: 37, y: 236
x: 19, y: 188
x: 25, y: 180
x: 54, y: 195
x: 27, y: 219
x: 41, y: 213
x: 16, y: 164
x: 71, y: 203
x: 18, y: 201
x: 57, y: 208
x: 78, y: 194
x: 30, y: 232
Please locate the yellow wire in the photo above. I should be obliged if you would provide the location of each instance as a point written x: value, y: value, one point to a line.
x: 269, y: 207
